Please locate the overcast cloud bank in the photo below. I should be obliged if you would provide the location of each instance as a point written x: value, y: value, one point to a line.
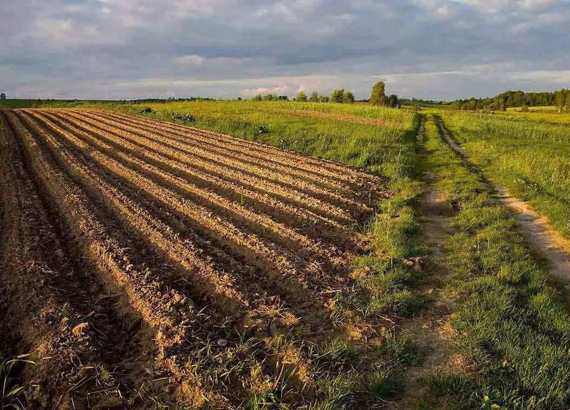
x: 440, y: 49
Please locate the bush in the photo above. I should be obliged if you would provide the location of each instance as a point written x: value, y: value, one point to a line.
x: 301, y: 96
x: 348, y: 97
x: 337, y: 96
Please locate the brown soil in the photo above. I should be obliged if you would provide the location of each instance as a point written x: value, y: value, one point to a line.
x: 144, y: 260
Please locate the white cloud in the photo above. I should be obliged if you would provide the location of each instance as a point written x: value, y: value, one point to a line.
x: 191, y: 60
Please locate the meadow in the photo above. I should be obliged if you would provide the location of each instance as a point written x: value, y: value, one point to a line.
x: 511, y: 319
x: 526, y: 153
x: 278, y: 254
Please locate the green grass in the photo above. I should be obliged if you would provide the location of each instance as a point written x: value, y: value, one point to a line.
x: 513, y: 324
x: 9, y: 389
x: 528, y: 157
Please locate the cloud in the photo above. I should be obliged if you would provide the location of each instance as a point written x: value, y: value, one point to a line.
x: 226, y: 48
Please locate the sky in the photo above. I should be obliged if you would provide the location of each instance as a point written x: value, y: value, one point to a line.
x: 433, y: 49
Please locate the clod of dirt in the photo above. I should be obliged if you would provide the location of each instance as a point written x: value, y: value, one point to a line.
x: 80, y: 329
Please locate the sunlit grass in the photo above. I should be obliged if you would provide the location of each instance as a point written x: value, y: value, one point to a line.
x: 529, y: 157
x: 513, y: 325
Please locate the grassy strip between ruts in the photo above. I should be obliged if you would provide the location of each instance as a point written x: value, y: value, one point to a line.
x: 513, y: 326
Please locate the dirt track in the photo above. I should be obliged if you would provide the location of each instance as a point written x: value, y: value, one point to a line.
x: 130, y: 247
x: 540, y: 233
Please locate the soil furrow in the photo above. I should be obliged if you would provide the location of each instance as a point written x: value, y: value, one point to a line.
x: 276, y: 190
x: 169, y: 318
x: 350, y: 189
x: 177, y: 268
x: 200, y: 271
x: 54, y: 306
x: 349, y: 205
x: 277, y: 281
x: 268, y: 256
x: 299, y: 218
x: 322, y: 167
x: 234, y: 212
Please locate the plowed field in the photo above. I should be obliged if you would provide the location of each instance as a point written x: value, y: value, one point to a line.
x: 142, y: 259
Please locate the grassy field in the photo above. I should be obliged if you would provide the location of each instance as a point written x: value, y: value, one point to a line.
x: 506, y: 325
x: 527, y: 156
x: 512, y: 323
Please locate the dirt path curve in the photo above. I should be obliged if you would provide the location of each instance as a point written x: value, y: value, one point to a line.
x: 540, y: 233
x: 432, y: 331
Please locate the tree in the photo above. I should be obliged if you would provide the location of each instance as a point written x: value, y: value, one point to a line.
x: 392, y: 101
x: 324, y: 99
x: 257, y: 97
x: 337, y: 96
x: 378, y: 95
x: 348, y: 97
x: 270, y: 97
x: 2, y: 96
x: 314, y: 97
x: 567, y: 104
x: 560, y: 99
x: 302, y: 96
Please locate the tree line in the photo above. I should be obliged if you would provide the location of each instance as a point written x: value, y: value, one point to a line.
x: 341, y: 96
x: 519, y: 99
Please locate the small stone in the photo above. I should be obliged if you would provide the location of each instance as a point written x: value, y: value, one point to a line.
x: 222, y: 342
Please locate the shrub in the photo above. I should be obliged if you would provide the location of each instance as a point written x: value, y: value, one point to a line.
x: 338, y: 96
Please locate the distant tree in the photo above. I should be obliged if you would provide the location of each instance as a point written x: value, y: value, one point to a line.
x: 257, y: 97
x: 239, y: 99
x: 510, y: 99
x: 302, y: 96
x: 567, y: 102
x: 283, y: 98
x: 270, y: 97
x: 524, y: 108
x: 337, y: 96
x: 314, y: 97
x: 348, y: 97
x: 560, y: 98
x: 392, y: 101
x: 324, y: 99
x: 2, y: 96
x: 378, y: 95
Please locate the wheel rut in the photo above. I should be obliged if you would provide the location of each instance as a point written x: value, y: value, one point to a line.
x: 432, y: 330
x: 540, y: 233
